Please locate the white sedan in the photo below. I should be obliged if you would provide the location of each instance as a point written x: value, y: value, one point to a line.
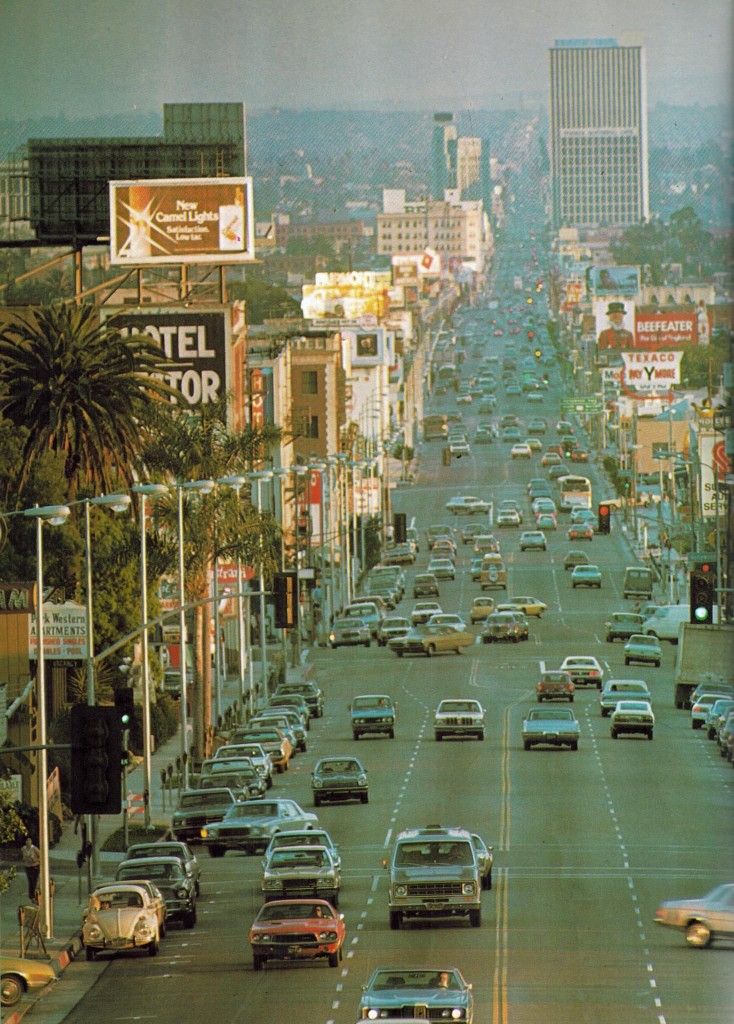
x: 448, y: 619
x: 459, y: 448
x: 521, y: 451
x: 467, y: 504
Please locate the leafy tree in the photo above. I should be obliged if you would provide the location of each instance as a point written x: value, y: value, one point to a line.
x: 81, y: 388
x: 12, y: 829
x: 198, y: 446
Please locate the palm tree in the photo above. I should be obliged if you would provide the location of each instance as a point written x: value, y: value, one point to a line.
x: 82, y: 388
x: 191, y: 445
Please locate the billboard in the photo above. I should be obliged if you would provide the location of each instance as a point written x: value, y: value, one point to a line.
x: 715, y: 467
x: 262, y: 398
x: 64, y: 632
x: 667, y: 329
x: 194, y: 343
x: 181, y: 220
x: 651, y: 371
x: 622, y: 281
x: 405, y: 270
x: 615, y: 324
x: 347, y: 296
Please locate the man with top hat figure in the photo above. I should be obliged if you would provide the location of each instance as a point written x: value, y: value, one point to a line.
x: 616, y: 335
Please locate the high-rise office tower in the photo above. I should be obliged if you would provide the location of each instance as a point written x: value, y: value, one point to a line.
x: 598, y: 133
x: 443, y: 154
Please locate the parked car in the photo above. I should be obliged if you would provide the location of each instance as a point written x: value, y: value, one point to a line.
x: 197, y: 808
x: 168, y: 875
x: 122, y: 916
x: 339, y: 778
x: 703, y: 919
x: 297, y: 930
x: 19, y: 975
x: 169, y: 848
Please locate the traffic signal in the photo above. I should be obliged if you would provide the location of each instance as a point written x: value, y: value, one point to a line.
x: 96, y: 751
x: 538, y: 353
x: 702, y: 592
x: 400, y: 527
x: 285, y: 588
x: 605, y: 520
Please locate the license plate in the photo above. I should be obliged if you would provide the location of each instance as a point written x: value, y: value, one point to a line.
x: 294, y: 950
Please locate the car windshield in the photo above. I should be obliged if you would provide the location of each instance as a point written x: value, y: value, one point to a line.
x: 555, y: 677
x: 305, y: 858
x: 118, y: 900
x: 337, y: 767
x: 550, y: 715
x: 347, y: 623
x: 310, y: 838
x: 632, y: 705
x: 392, y: 623
x: 294, y: 911
x: 643, y: 641
x: 363, y: 703
x: 458, y: 705
x: 152, y: 872
x: 247, y: 810
x: 386, y: 980
x: 191, y: 800
x: 428, y: 854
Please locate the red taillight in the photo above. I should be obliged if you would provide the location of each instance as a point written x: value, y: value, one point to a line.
x: 698, y: 707
x: 594, y: 672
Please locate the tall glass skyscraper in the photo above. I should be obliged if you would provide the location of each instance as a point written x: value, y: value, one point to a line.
x: 598, y: 133
x: 443, y: 154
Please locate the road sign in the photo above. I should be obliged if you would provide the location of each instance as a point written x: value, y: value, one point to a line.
x: 582, y: 403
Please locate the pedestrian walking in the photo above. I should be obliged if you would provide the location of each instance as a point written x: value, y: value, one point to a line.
x: 31, y: 857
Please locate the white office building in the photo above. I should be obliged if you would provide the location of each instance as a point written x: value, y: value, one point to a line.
x: 598, y: 133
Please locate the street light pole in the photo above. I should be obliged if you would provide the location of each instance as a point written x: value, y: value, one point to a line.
x: 54, y: 515
x: 145, y: 491
x: 258, y: 476
x: 118, y: 503
x: 237, y: 483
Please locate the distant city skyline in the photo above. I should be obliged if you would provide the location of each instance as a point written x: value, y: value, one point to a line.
x: 100, y: 57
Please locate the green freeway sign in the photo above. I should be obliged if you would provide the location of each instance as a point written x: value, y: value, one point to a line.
x: 582, y: 403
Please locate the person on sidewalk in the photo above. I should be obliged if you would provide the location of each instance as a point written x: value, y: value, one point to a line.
x: 31, y: 858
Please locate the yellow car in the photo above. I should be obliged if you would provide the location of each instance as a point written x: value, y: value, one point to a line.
x: 481, y: 608
x: 529, y: 605
x: 18, y: 976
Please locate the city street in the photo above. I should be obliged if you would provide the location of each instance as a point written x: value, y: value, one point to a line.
x: 586, y: 843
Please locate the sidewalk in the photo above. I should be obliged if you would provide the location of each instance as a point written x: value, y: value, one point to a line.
x: 71, y: 885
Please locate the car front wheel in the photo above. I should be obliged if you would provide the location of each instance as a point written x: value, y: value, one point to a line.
x: 698, y: 935
x: 12, y: 989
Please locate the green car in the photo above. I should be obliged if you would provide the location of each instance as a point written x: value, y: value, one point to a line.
x: 643, y: 648
x: 586, y: 576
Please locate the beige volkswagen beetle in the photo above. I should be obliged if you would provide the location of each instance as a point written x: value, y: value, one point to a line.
x: 120, y: 917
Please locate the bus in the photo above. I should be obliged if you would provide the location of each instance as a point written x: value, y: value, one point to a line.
x: 574, y: 492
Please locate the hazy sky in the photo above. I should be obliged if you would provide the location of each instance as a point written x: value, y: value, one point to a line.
x: 86, y: 57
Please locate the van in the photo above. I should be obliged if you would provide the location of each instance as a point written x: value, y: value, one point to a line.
x: 665, y: 621
x: 637, y: 582
x: 494, y: 573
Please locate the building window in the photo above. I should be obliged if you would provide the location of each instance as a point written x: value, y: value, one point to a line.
x: 309, y: 382
x: 309, y: 425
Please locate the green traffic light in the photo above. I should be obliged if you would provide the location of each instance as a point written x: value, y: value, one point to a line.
x: 125, y: 719
x: 701, y: 614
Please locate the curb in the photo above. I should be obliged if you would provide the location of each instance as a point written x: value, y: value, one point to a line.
x: 60, y: 961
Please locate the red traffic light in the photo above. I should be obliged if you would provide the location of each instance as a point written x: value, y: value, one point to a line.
x: 706, y: 567
x: 603, y: 510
